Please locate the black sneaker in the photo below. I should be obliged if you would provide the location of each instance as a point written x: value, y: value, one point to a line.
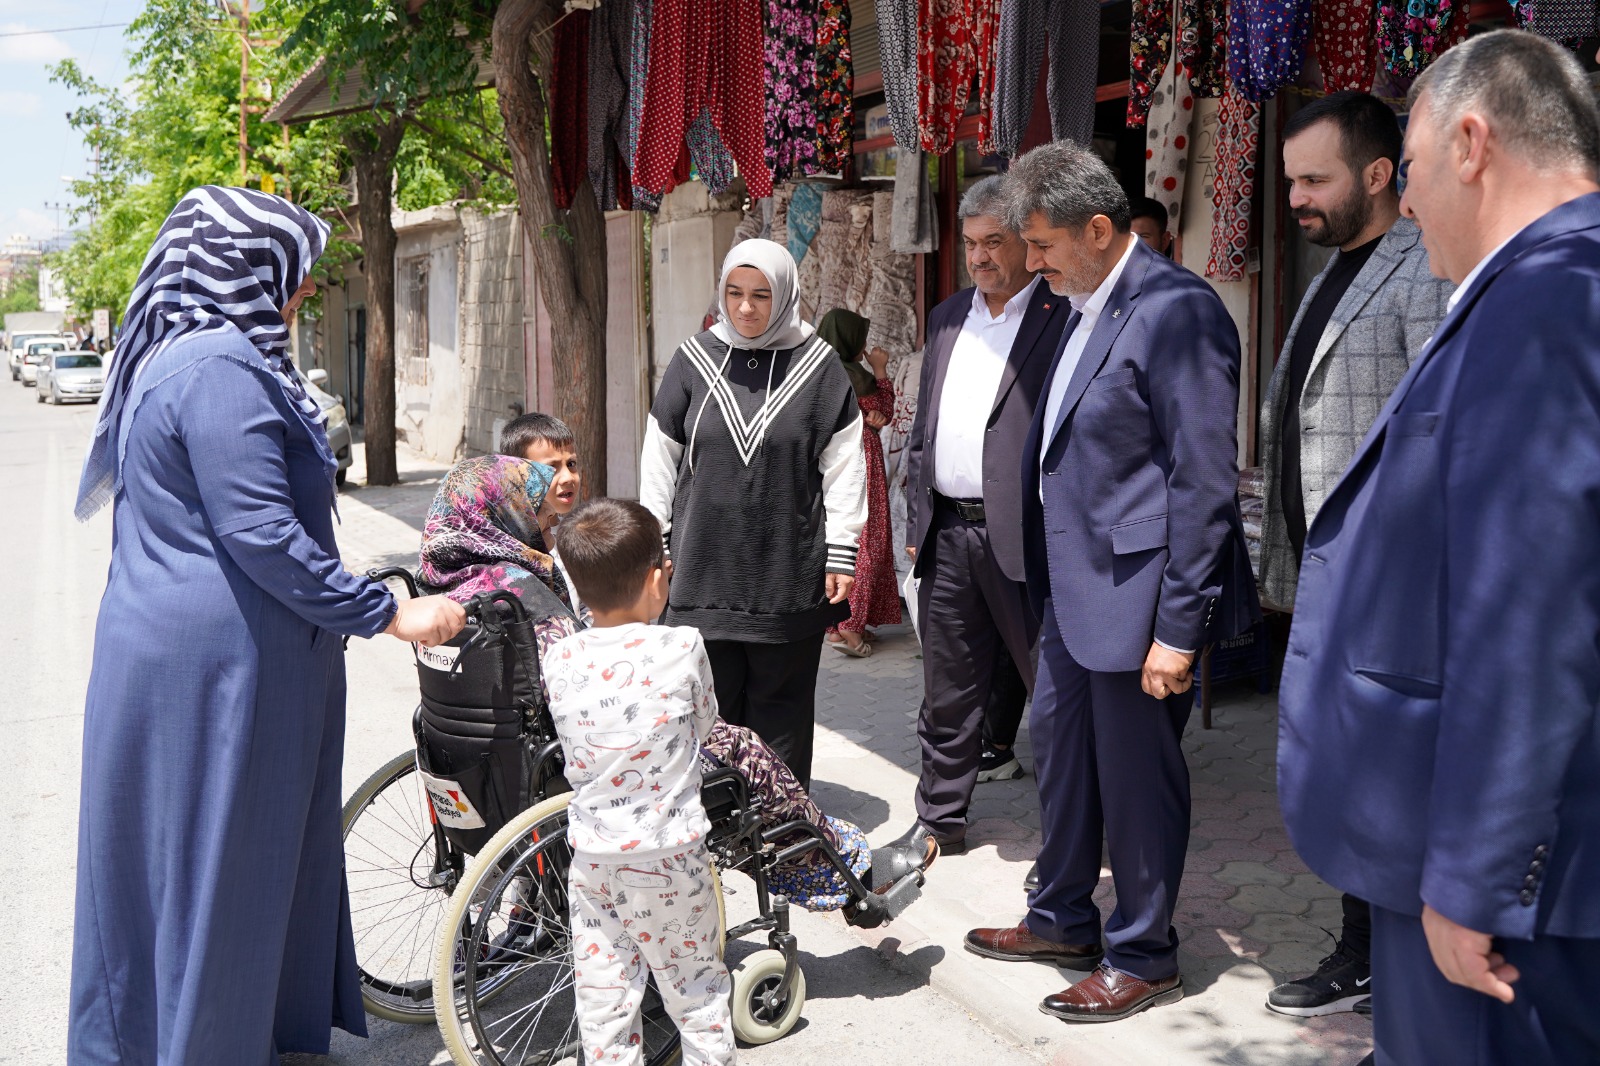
x: 1341, y: 981
x: 996, y: 764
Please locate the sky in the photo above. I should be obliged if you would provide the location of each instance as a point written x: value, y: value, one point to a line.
x: 39, y: 145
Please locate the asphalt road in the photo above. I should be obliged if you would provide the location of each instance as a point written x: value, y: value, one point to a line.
x: 862, y: 1006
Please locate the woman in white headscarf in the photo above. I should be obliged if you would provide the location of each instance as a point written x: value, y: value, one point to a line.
x: 753, y: 464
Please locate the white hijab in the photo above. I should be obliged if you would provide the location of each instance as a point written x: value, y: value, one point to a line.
x: 785, y: 329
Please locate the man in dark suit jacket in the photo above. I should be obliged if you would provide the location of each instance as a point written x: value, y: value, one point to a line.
x: 1136, y: 559
x: 1439, y: 746
x: 989, y: 348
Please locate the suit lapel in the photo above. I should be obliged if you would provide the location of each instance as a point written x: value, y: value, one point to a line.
x: 1113, y: 317
x: 1386, y: 259
x: 1043, y: 306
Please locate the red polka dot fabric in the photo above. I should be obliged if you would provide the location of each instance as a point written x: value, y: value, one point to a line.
x: 715, y: 66
x: 1345, y: 44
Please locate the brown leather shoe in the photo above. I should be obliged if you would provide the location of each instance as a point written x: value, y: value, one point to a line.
x: 1109, y: 995
x: 1020, y: 945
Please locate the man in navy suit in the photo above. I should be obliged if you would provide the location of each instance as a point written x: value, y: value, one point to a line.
x: 989, y: 349
x: 1135, y: 560
x: 1439, y: 747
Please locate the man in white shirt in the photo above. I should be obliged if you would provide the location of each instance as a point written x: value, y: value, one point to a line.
x: 1135, y: 560
x: 988, y: 352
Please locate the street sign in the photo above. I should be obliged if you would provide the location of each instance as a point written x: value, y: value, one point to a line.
x: 102, y: 324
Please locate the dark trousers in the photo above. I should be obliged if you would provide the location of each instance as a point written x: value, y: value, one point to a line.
x: 1420, y: 1019
x: 970, y: 614
x: 1109, y: 762
x: 1357, y: 934
x: 771, y: 689
x: 1008, y: 698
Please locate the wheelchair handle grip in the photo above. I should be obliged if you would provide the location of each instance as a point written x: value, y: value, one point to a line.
x: 387, y: 573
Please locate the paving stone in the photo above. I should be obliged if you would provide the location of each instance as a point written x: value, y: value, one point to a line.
x: 1255, y: 873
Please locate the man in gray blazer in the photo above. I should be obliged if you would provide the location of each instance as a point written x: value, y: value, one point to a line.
x: 1362, y: 323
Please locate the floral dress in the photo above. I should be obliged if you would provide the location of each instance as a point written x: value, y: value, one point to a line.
x: 875, y: 597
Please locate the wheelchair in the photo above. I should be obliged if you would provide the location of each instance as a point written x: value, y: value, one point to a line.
x: 457, y: 857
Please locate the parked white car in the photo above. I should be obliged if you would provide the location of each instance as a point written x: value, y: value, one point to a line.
x: 70, y: 376
x: 28, y: 365
x: 338, y: 424
x: 19, y: 347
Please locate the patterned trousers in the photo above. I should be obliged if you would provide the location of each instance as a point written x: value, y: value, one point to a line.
x: 641, y: 918
x: 1073, y: 31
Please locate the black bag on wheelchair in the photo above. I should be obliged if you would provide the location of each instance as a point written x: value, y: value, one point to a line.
x: 481, y: 700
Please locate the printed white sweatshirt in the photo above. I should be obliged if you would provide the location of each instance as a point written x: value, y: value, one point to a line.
x: 632, y: 705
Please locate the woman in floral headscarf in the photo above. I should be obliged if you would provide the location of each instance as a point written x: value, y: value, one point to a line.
x: 486, y: 531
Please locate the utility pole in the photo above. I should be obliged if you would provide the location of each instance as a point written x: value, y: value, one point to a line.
x: 244, y: 92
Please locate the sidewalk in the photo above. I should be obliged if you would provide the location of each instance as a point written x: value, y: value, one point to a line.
x: 1249, y: 913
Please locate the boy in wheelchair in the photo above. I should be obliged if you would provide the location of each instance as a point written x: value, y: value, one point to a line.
x: 632, y: 702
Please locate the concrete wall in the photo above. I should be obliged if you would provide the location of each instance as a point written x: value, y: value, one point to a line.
x: 689, y: 238
x: 491, y: 324
x: 429, y: 414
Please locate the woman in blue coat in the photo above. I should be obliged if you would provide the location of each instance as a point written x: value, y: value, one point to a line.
x: 212, y: 924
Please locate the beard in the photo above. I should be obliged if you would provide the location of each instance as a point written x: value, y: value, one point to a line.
x: 1342, y: 224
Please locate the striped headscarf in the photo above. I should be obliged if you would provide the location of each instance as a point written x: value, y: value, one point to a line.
x: 226, y: 260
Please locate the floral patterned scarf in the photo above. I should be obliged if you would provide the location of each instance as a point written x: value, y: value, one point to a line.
x: 482, y: 532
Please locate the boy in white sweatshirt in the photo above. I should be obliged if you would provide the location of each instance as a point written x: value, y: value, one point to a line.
x: 632, y: 702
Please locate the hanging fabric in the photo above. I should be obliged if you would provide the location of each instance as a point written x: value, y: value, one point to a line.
x: 638, y: 75
x: 1203, y: 46
x: 569, y: 107
x: 897, y: 46
x: 956, y: 48
x: 1266, y: 44
x: 1167, y: 140
x: 835, y: 82
x: 1413, y: 33
x: 1149, y: 47
x: 610, y: 55
x: 802, y: 219
x: 791, y: 58
x: 1071, y: 29
x: 914, y: 229
x: 687, y: 76
x: 1234, y: 186
x: 1345, y: 44
x: 1566, y: 21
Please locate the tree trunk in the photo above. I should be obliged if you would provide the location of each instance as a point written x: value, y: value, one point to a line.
x: 373, y: 148
x: 570, y: 246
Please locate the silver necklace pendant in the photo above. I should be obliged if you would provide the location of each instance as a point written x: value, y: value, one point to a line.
x: 753, y: 363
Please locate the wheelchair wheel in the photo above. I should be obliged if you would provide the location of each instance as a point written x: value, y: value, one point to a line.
x: 401, y: 874
x: 503, y: 963
x: 757, y: 977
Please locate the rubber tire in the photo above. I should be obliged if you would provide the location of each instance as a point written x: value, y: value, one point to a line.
x: 55, y: 397
x: 381, y: 778
x: 38, y: 397
x: 483, y: 863
x: 755, y: 969
x: 339, y: 478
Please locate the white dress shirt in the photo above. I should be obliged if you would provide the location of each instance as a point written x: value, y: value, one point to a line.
x: 1089, y: 307
x: 1461, y: 290
x: 971, y: 380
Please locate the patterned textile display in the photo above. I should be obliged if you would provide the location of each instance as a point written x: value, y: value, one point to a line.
x: 610, y: 55
x: 1203, y: 46
x: 891, y: 298
x: 1266, y: 44
x: 569, y: 107
x: 1238, y: 142
x: 875, y: 597
x: 482, y: 531
x: 778, y: 229
x: 858, y: 283
x: 835, y: 80
x: 956, y: 47
x: 826, y: 258
x: 692, y: 72
x: 638, y: 74
x: 1071, y: 28
x: 1567, y: 21
x: 225, y: 260
x: 914, y: 227
x: 1413, y: 33
x: 897, y: 45
x: 1149, y: 48
x: 802, y: 219
x: 1167, y: 139
x: 1345, y: 44
x: 791, y: 57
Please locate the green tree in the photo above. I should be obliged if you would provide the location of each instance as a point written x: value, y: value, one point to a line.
x: 22, y: 291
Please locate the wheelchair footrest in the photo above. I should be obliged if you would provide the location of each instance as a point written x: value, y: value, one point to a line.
x: 903, y: 894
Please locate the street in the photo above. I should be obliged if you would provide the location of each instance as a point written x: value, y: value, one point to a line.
x: 1249, y: 913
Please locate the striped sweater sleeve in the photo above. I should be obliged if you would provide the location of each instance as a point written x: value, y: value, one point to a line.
x: 844, y: 495
x: 663, y: 444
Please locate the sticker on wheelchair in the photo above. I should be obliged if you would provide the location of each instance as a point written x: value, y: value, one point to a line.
x: 450, y: 803
x: 441, y: 658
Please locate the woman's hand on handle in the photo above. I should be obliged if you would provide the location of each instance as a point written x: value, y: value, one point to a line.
x: 427, y: 621
x: 839, y: 587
